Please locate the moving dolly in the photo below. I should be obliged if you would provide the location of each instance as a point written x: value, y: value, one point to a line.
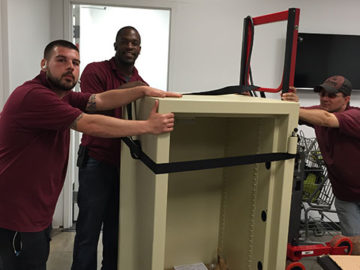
x: 338, y: 245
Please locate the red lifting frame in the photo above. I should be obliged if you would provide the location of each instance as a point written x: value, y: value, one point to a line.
x: 292, y: 16
x: 343, y: 247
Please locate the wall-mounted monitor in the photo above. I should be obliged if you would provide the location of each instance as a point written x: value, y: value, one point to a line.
x: 321, y: 55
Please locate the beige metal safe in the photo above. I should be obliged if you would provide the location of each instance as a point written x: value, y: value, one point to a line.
x: 240, y: 212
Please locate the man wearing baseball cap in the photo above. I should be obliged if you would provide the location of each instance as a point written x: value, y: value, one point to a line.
x: 337, y: 128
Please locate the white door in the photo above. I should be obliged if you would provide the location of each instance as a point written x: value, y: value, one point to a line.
x: 94, y: 31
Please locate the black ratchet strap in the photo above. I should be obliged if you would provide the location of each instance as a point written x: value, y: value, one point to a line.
x: 183, y: 166
x: 235, y: 89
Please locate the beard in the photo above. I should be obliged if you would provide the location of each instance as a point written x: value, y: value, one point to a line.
x: 58, y: 84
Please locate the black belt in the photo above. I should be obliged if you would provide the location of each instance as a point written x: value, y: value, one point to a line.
x: 183, y: 166
x: 235, y: 89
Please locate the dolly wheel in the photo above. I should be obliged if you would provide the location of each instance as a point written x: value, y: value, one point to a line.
x: 294, y: 266
x: 341, y: 241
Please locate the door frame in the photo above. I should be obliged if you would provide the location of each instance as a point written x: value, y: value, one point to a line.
x: 72, y: 173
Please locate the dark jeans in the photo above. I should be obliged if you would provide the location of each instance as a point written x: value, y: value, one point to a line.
x: 98, y: 201
x: 24, y: 250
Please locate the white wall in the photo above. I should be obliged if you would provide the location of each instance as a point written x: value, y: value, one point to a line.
x: 205, y: 46
x: 4, y: 58
x: 29, y: 30
x: 205, y: 36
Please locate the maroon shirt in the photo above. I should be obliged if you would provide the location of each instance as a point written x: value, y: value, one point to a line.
x: 34, y: 149
x: 98, y: 77
x: 340, y: 149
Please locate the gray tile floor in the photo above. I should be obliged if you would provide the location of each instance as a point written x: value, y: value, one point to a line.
x: 62, y: 246
x: 61, y: 250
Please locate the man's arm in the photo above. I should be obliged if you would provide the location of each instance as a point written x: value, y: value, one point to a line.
x: 317, y: 117
x: 109, y: 127
x: 114, y: 98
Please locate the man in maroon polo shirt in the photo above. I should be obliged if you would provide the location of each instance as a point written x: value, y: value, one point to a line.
x: 99, y: 159
x: 337, y: 128
x: 34, y: 147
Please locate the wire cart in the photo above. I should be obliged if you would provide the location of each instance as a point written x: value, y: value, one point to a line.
x: 317, y: 191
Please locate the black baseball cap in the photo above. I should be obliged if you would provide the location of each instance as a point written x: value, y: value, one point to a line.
x: 335, y: 84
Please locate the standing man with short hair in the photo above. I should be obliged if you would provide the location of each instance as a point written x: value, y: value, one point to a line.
x: 99, y: 159
x: 34, y: 148
x: 337, y: 128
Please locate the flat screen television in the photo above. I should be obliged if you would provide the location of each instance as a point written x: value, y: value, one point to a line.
x: 322, y: 55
